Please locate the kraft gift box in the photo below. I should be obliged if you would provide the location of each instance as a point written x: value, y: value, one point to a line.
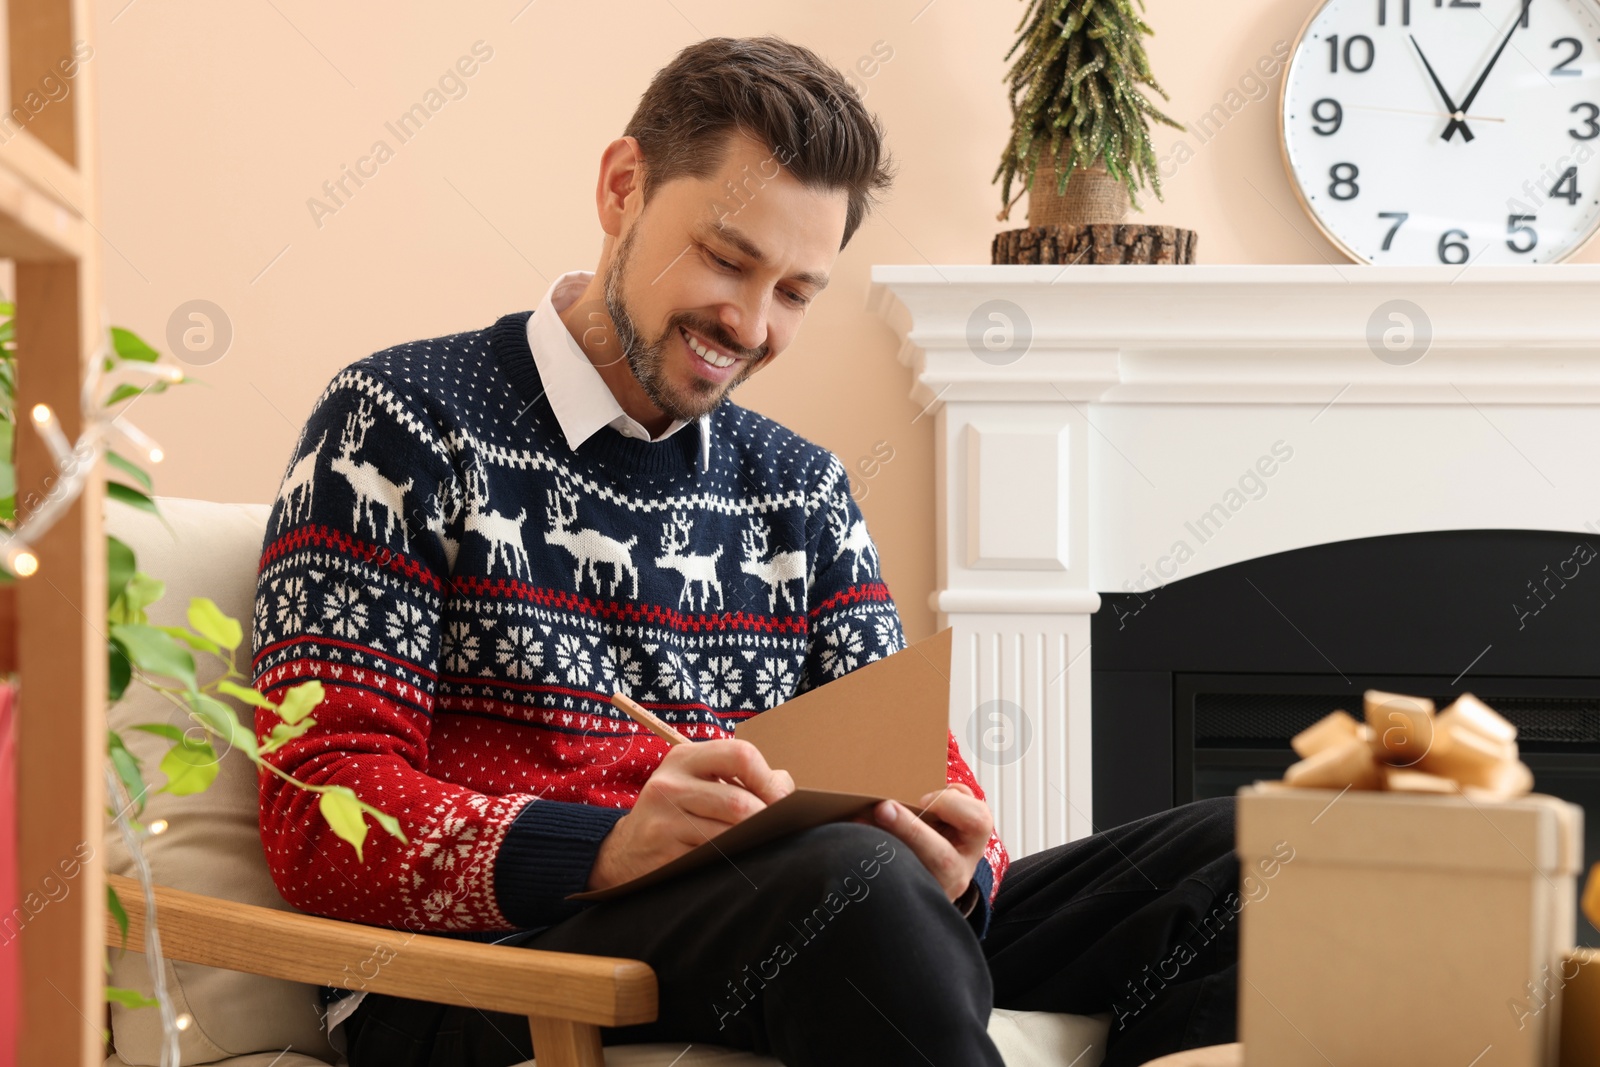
x: 1404, y: 929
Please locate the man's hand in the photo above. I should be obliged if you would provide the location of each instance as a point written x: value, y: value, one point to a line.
x: 953, y: 843
x: 687, y: 800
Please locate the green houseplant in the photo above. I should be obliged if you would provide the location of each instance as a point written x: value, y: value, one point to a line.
x: 163, y: 657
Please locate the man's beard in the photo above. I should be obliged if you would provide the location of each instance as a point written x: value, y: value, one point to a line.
x: 649, y: 361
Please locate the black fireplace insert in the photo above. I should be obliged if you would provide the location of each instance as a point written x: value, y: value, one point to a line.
x: 1199, y: 684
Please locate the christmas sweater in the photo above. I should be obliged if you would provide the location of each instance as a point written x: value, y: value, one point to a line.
x: 469, y: 590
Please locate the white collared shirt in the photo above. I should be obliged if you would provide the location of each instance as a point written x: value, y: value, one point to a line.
x: 581, y: 399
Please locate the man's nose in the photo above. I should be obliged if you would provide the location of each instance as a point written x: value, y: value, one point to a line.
x: 746, y: 322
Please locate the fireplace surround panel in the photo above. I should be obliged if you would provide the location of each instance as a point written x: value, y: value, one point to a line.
x: 1111, y: 443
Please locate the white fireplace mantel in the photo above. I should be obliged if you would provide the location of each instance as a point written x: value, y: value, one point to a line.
x: 1114, y: 428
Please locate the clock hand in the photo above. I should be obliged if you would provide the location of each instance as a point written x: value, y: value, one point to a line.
x: 1410, y: 111
x: 1466, y: 134
x: 1473, y: 95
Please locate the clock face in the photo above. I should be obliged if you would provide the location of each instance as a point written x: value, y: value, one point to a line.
x: 1448, y: 131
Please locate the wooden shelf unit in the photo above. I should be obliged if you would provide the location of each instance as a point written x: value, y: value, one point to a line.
x: 52, y: 629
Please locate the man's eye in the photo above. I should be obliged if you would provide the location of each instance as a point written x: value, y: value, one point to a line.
x: 722, y: 262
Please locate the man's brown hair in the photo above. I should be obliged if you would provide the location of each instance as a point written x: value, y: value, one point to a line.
x: 782, y: 94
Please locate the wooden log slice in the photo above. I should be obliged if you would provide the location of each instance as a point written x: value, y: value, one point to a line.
x: 1095, y: 243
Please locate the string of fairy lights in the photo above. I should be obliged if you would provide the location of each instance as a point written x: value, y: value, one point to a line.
x: 76, y: 461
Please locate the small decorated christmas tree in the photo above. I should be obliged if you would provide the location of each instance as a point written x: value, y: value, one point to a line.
x: 1078, y: 112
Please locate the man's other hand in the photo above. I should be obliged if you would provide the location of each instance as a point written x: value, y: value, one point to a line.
x: 689, y: 798
x: 953, y: 843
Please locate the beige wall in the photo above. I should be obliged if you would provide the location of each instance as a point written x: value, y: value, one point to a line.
x: 220, y: 121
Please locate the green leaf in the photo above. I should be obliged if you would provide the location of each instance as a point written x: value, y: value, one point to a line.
x: 217, y: 715
x: 114, y: 905
x: 387, y: 821
x: 161, y: 729
x: 190, y: 767
x: 249, y: 696
x: 8, y: 479
x: 123, y: 391
x: 127, y: 765
x: 120, y: 567
x: 207, y: 618
x: 130, y: 345
x: 119, y: 672
x: 298, y: 701
x: 131, y: 469
x: 194, y: 641
x: 127, y: 494
x: 129, y: 998
x: 141, y: 592
x: 154, y: 652
x: 285, y: 732
x: 342, y: 811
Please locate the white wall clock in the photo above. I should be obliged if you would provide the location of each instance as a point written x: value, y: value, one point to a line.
x: 1447, y: 131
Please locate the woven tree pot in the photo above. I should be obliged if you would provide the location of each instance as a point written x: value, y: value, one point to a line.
x: 1087, y: 224
x: 1092, y: 196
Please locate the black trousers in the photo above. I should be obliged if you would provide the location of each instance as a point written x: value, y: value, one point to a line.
x: 836, y: 947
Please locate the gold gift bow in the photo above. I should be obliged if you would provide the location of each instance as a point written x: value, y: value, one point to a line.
x: 1466, y: 749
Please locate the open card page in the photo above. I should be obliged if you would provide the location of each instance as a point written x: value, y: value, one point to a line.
x: 879, y: 732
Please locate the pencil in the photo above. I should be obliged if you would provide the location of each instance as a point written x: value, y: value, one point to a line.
x: 647, y: 719
x: 664, y: 730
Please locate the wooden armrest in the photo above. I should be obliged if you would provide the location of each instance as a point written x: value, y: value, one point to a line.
x: 600, y: 990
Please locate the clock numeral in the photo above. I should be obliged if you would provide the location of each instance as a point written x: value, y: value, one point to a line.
x: 1560, y: 69
x: 1592, y: 120
x: 1346, y: 180
x: 1405, y: 12
x: 1335, y: 120
x: 1366, y: 52
x: 1472, y: 3
x: 1453, y: 252
x: 1516, y: 224
x: 1399, y: 221
x: 1566, y: 186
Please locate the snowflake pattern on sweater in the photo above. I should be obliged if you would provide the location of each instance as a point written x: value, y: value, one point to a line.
x: 469, y: 590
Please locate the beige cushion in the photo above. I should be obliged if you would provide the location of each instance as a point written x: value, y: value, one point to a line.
x: 1210, y: 1056
x: 1024, y: 1038
x: 213, y: 846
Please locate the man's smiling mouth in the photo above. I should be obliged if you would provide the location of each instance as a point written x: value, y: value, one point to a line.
x: 714, y: 356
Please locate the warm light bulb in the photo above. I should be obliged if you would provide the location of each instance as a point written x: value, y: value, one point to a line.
x: 41, y: 413
x: 159, y: 826
x: 25, y: 564
x: 138, y: 438
x: 182, y: 1022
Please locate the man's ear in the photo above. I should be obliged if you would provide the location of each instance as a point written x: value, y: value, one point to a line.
x: 621, y: 176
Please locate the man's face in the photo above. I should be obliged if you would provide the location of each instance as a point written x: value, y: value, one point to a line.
x: 730, y: 263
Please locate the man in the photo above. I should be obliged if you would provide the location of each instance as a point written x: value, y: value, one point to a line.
x: 482, y: 536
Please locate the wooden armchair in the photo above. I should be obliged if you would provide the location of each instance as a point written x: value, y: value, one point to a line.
x: 251, y: 968
x: 566, y: 997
